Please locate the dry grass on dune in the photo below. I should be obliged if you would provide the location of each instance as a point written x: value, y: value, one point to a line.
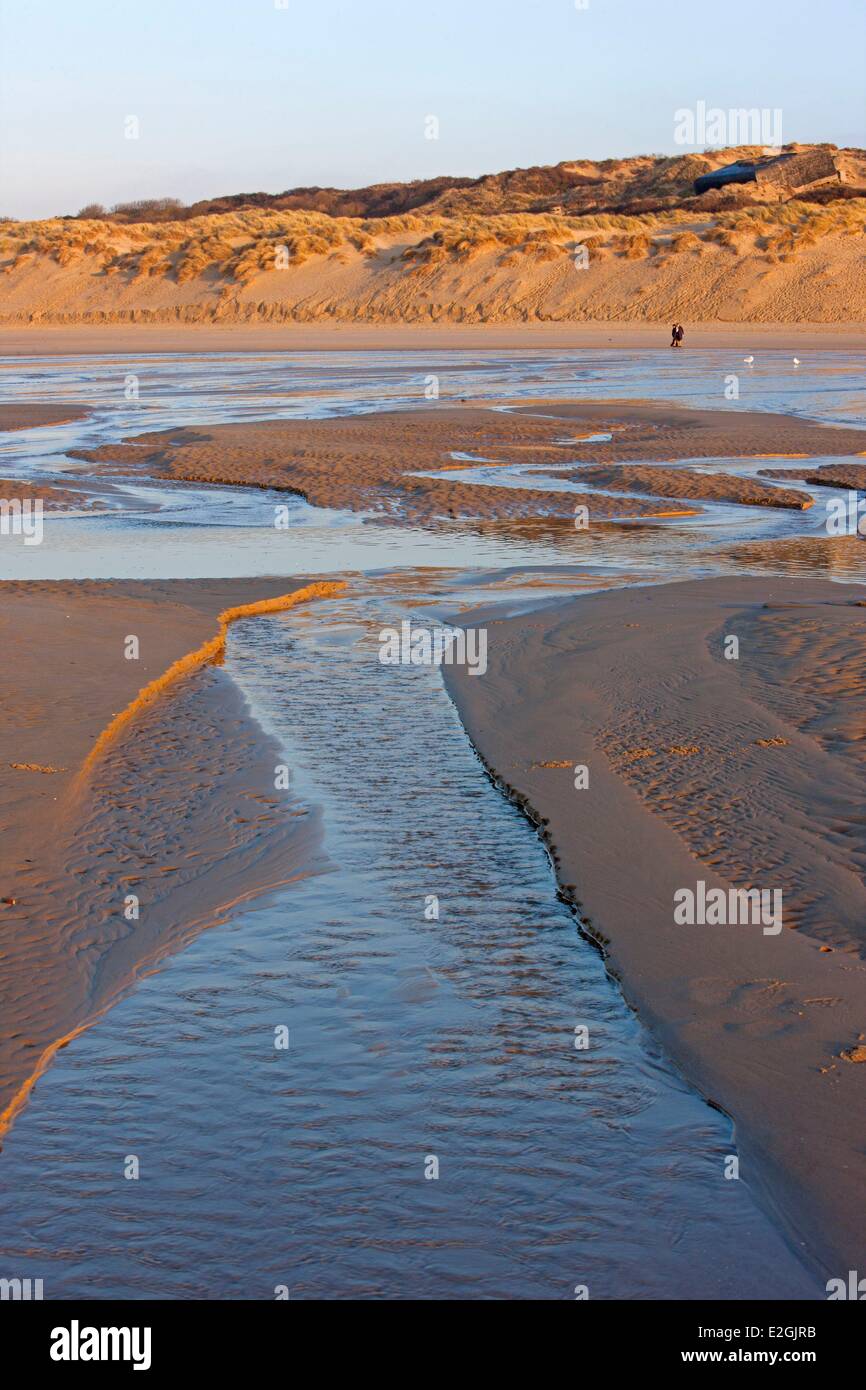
x: 504, y: 267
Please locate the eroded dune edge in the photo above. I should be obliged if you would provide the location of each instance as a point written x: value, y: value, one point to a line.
x: 171, y: 801
x: 768, y: 261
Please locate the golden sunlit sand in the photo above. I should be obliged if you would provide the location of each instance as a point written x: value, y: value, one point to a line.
x: 770, y: 262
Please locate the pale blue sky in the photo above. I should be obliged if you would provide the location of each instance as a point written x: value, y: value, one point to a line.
x: 239, y: 95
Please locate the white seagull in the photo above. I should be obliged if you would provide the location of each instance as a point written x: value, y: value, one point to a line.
x: 796, y: 361
x: 750, y: 360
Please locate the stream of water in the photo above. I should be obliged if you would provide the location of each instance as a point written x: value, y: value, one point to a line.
x: 417, y: 1043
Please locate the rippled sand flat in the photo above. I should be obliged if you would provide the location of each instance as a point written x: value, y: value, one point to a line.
x: 740, y: 773
x: 411, y: 1035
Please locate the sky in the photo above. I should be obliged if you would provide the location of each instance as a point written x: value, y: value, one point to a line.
x: 243, y: 95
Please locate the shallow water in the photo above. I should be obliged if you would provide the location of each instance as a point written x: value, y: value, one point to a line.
x: 166, y: 530
x: 176, y: 388
x: 409, y: 1037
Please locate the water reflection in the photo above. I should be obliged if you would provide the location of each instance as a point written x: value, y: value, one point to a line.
x: 411, y: 1037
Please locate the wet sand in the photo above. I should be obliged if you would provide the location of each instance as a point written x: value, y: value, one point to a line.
x: 370, y: 462
x: 26, y: 415
x: 44, y: 341
x: 53, y: 498
x: 734, y: 772
x: 118, y: 777
x: 737, y: 773
x: 845, y: 475
x: 685, y: 483
x: 666, y: 432
x: 408, y: 1036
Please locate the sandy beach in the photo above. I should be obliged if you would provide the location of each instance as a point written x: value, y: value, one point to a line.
x: 736, y: 773
x: 47, y: 340
x: 138, y: 798
x: 433, y: 673
x: 94, y: 762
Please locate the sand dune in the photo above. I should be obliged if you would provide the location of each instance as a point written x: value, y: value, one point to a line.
x: 780, y: 263
x: 637, y: 183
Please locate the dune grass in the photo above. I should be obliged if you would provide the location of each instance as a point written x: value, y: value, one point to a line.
x: 236, y: 248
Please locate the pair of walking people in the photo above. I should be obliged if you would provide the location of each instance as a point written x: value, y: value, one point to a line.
x: 677, y: 335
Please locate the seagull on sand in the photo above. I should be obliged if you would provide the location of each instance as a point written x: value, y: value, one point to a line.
x: 750, y: 360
